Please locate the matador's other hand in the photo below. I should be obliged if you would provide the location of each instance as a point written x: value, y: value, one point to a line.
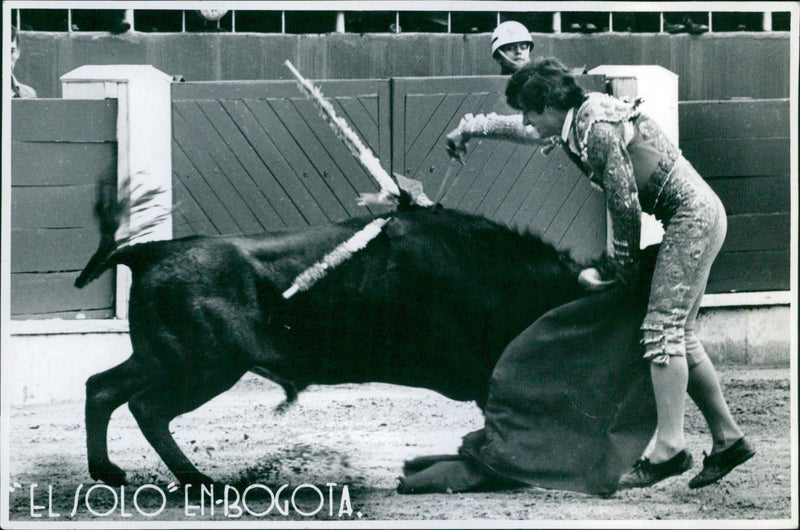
x: 590, y: 279
x: 456, y: 145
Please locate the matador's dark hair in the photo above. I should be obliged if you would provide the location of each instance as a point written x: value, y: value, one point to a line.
x: 543, y: 83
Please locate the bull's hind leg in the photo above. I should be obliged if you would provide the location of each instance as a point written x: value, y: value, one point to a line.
x: 105, y: 392
x: 156, y: 406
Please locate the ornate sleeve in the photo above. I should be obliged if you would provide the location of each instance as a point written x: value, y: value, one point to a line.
x: 610, y: 160
x: 499, y: 127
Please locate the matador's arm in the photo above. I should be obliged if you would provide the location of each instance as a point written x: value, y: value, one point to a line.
x: 610, y: 160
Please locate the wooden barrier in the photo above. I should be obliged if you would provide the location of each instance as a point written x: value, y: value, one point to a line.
x: 711, y: 66
x: 742, y: 147
x: 243, y: 140
x: 59, y: 150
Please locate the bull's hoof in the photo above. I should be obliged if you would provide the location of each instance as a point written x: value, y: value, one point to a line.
x: 109, y: 473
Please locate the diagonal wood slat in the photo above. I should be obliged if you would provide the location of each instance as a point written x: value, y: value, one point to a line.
x: 298, y: 159
x: 340, y: 169
x: 275, y: 165
x: 272, y: 204
x: 196, y: 140
x: 262, y: 206
x: 256, y: 156
x: 306, y: 139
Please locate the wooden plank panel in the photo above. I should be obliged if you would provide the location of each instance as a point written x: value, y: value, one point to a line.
x: 272, y: 88
x: 368, y: 114
x: 750, y: 271
x: 510, y: 173
x: 204, y: 196
x: 61, y: 163
x: 566, y: 215
x: 480, y: 187
x: 431, y: 137
x: 754, y: 232
x: 539, y: 194
x: 481, y: 153
x: 342, y: 170
x: 237, y: 191
x: 191, y: 133
x: 525, y: 186
x: 361, y: 114
x: 56, y: 293
x: 563, y: 185
x: 418, y: 111
x: 586, y: 237
x: 486, y: 166
x: 301, y: 165
x: 434, y: 167
x: 742, y: 195
x: 320, y: 160
x: 93, y: 314
x: 46, y: 250
x: 188, y: 218
x: 53, y: 206
x: 276, y: 164
x: 482, y: 156
x: 64, y: 120
x: 731, y: 157
x: 267, y: 200
x: 766, y: 118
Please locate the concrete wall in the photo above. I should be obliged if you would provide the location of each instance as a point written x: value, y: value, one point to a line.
x: 710, y: 66
x: 54, y: 367
x: 752, y: 336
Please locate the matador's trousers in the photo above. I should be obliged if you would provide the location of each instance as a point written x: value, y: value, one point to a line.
x: 694, y: 229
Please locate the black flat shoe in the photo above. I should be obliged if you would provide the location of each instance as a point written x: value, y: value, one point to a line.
x: 717, y: 465
x: 674, y: 28
x: 693, y: 28
x: 645, y: 473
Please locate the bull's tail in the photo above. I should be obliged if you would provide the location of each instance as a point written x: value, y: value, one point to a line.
x: 110, y: 208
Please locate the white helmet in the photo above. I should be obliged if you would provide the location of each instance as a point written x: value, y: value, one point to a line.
x: 508, y: 33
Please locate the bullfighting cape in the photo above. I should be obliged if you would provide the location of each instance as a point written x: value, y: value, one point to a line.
x: 570, y: 405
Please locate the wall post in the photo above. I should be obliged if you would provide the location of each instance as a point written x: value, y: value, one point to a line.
x: 144, y: 140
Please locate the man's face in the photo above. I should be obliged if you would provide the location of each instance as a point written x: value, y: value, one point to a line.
x: 515, y: 54
x: 548, y: 122
x: 14, y: 52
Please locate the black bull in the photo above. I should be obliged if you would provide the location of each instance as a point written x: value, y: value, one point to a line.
x: 430, y: 302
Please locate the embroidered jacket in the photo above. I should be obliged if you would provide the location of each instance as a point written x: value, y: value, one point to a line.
x: 616, y: 143
x: 599, y: 134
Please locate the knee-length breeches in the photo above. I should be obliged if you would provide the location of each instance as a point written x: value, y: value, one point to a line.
x: 694, y: 230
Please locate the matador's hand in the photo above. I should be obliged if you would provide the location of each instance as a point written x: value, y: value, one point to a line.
x: 456, y: 145
x: 550, y: 144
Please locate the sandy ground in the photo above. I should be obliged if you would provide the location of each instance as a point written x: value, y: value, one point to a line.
x: 359, y: 436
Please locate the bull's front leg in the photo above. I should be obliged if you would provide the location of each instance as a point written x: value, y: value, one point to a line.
x: 105, y: 392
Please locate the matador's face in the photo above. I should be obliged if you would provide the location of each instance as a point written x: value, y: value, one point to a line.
x: 548, y: 122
